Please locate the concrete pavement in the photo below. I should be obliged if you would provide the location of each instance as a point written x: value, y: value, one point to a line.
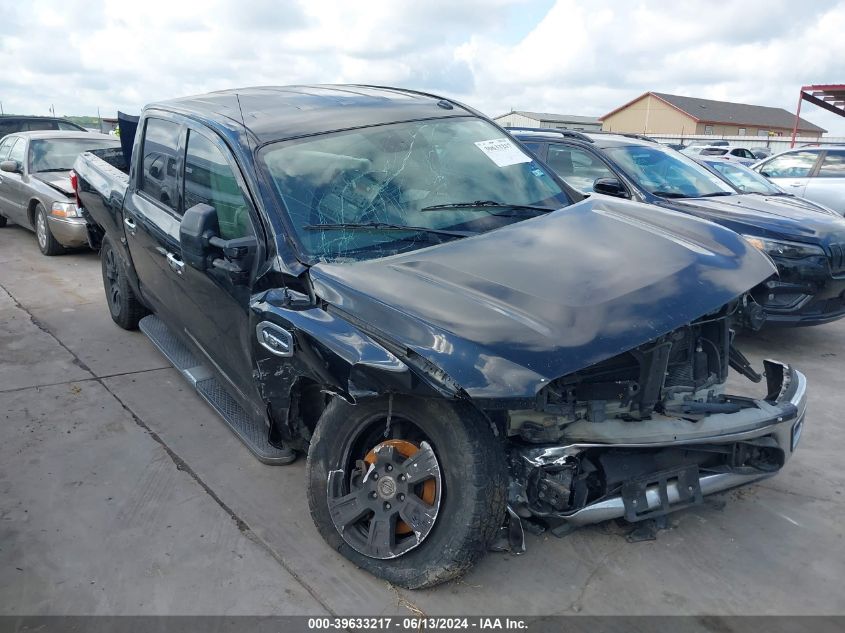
x: 121, y: 492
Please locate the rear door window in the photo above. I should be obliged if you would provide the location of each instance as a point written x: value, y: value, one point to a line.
x: 5, y: 146
x: 833, y: 165
x: 18, y: 151
x: 794, y: 165
x: 534, y: 148
x: 9, y: 127
x: 35, y: 126
x: 713, y: 151
x: 160, y: 171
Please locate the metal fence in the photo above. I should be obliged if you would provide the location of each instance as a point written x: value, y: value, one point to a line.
x: 774, y: 143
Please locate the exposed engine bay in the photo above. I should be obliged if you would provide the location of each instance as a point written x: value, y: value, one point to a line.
x: 649, y: 428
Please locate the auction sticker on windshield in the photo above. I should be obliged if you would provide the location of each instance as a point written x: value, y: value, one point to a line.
x: 502, y: 152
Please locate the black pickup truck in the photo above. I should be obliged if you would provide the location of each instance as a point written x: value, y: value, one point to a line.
x: 383, y: 279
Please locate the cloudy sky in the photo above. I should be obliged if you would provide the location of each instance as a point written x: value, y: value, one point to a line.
x: 565, y: 56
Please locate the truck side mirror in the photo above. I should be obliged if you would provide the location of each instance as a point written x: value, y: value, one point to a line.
x: 610, y: 187
x: 199, y: 225
x: 11, y: 166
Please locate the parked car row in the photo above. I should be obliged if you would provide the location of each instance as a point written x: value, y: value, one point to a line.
x: 807, y: 242
x: 721, y: 147
x: 461, y: 335
x: 35, y: 186
x: 9, y: 124
x: 815, y: 173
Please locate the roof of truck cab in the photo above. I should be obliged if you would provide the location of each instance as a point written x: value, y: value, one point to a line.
x: 273, y: 113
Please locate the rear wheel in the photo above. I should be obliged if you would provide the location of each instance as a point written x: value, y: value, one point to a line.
x: 2, y: 221
x: 47, y: 244
x: 415, y: 502
x: 125, y: 308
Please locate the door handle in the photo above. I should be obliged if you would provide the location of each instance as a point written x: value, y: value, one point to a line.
x: 796, y: 184
x: 176, y: 264
x: 130, y: 224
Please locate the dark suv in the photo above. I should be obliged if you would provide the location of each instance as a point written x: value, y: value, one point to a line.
x: 11, y: 124
x: 807, y: 246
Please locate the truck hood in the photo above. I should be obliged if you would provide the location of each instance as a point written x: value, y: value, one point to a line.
x: 58, y: 180
x: 767, y: 216
x: 504, y: 312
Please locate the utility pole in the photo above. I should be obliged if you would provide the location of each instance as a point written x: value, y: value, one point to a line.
x: 99, y: 118
x: 1, y: 109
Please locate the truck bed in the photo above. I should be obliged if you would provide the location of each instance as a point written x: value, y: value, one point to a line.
x: 103, y: 178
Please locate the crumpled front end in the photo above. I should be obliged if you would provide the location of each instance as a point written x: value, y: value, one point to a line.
x: 652, y: 431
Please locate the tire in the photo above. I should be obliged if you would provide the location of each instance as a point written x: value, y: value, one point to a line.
x: 471, y: 498
x: 47, y: 244
x: 125, y: 308
x: 2, y: 221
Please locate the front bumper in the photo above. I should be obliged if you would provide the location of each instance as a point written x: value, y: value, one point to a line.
x: 70, y: 232
x: 661, y: 493
x: 806, y: 293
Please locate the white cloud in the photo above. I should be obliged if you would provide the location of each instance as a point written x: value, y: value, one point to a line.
x: 574, y: 56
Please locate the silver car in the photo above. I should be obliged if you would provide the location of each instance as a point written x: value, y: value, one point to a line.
x: 35, y: 187
x: 736, y: 154
x: 815, y: 173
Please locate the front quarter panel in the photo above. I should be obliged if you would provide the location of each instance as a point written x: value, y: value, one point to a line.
x: 327, y: 351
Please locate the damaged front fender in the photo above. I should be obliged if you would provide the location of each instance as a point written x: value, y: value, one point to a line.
x: 323, y: 348
x: 297, y: 341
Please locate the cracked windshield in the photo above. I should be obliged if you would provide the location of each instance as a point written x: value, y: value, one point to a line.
x: 383, y: 190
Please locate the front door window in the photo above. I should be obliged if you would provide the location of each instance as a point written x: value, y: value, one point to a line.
x: 209, y: 179
x: 578, y: 168
x: 795, y: 165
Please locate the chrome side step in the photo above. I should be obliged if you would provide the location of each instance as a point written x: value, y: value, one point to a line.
x: 252, y: 432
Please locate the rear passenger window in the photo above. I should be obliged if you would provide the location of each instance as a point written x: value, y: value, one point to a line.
x: 5, y: 146
x: 18, y: 151
x: 9, y: 127
x: 209, y: 179
x: 794, y: 165
x: 35, y: 126
x: 159, y: 175
x: 833, y: 165
x: 534, y: 148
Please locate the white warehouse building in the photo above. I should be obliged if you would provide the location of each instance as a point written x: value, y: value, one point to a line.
x: 522, y: 118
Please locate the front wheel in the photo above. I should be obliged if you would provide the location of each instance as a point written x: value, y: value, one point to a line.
x: 416, y: 501
x: 47, y: 244
x: 2, y: 221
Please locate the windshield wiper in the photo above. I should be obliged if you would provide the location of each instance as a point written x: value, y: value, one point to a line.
x: 669, y: 194
x: 385, y: 226
x: 46, y: 171
x: 716, y: 194
x: 485, y: 204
